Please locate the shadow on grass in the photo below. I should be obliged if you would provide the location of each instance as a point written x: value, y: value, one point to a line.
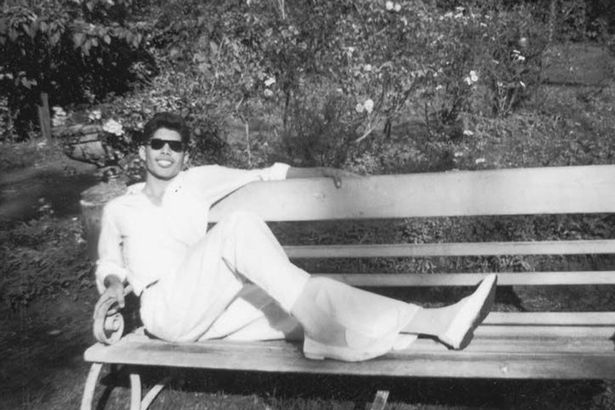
x: 19, y: 199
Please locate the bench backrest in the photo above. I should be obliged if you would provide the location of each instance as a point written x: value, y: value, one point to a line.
x: 557, y: 190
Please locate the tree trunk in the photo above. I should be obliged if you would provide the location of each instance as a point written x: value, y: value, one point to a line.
x: 44, y: 118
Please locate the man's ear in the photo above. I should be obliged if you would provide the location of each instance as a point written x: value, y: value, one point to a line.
x: 142, y: 152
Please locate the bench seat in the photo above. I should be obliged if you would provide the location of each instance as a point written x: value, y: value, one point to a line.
x: 507, y: 345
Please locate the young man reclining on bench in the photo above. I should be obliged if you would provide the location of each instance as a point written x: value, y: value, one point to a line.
x: 235, y: 281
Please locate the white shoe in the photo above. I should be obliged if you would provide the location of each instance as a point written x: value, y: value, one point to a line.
x: 472, y: 312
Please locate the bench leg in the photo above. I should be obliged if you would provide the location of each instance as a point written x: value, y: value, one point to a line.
x: 154, y: 391
x: 135, y: 391
x: 380, y: 401
x: 90, y: 386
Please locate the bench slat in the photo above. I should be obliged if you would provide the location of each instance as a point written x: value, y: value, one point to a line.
x: 412, y: 250
x: 552, y: 318
x: 471, y: 279
x: 522, y: 191
x: 534, y: 331
x: 487, y: 358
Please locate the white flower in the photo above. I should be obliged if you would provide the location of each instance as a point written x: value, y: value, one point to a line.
x: 367, y: 67
x: 268, y: 93
x: 359, y: 108
x: 269, y: 82
x: 113, y: 127
x: 472, y: 78
x: 349, y: 50
x: 519, y: 58
x: 468, y: 133
x: 389, y: 5
x: 58, y: 110
x: 397, y: 7
x: 480, y: 161
x: 369, y: 105
x: 59, y: 116
x: 95, y: 115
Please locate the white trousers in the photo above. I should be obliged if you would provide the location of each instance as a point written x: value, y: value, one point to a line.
x: 238, y: 283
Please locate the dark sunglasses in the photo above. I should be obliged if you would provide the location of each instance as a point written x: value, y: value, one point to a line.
x: 157, y: 143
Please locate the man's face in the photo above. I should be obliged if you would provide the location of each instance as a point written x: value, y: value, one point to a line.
x: 161, y: 161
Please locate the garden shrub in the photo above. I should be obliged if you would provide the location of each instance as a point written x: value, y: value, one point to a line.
x: 318, y: 131
x: 350, y: 69
x: 72, y: 50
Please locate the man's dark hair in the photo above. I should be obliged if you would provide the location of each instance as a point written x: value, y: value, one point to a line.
x: 169, y: 121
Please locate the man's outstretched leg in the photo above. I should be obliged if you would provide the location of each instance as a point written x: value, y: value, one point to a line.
x: 341, y: 321
x: 345, y: 323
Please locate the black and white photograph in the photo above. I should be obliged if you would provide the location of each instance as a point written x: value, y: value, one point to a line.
x: 309, y: 204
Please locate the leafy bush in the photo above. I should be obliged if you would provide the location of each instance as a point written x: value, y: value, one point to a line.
x: 71, y: 50
x: 319, y: 132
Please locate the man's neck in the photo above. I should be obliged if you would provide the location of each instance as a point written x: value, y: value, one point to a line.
x: 155, y: 188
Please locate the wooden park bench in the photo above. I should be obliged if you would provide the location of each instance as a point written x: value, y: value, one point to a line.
x: 508, y: 345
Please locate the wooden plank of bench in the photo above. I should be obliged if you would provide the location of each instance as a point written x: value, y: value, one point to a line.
x: 489, y: 358
x: 552, y: 318
x: 523, y: 191
x: 581, y: 333
x: 471, y: 279
x: 411, y: 250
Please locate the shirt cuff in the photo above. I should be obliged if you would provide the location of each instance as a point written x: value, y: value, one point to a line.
x: 278, y: 171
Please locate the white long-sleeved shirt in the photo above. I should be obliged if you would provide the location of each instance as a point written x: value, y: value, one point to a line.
x: 140, y: 242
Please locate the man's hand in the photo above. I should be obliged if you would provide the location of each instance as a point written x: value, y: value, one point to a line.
x: 114, y: 288
x: 337, y: 175
x: 333, y: 173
